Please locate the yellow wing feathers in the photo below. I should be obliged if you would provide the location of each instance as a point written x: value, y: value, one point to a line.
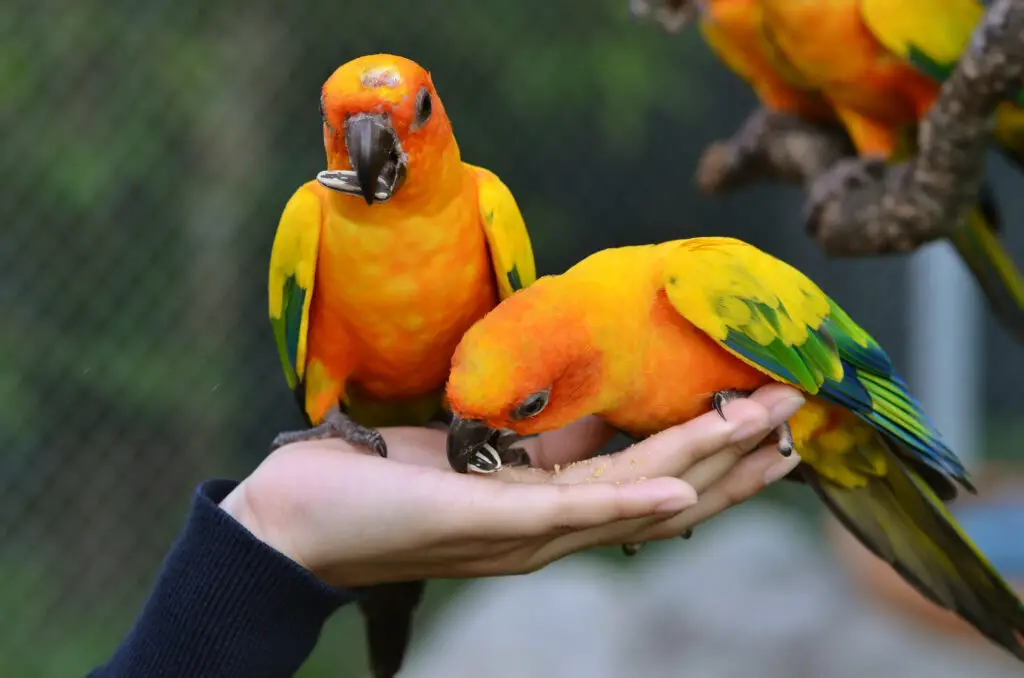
x: 507, y: 237
x: 759, y: 308
x: 292, y: 277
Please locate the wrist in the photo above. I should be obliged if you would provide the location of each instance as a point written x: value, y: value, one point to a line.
x: 239, y: 506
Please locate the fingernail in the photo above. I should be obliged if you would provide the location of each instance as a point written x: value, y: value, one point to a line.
x: 786, y: 409
x: 781, y: 468
x: 674, y: 504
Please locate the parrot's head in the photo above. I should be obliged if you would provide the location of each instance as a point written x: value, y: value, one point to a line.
x: 673, y: 15
x: 530, y: 365
x: 385, y: 131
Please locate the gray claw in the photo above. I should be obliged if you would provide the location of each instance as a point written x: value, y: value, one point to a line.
x: 785, y: 439
x: 631, y: 549
x: 721, y: 398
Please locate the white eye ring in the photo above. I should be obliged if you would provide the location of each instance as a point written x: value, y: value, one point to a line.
x: 532, y: 405
x: 424, y: 107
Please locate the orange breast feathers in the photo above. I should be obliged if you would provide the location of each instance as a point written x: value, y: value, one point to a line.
x: 391, y: 302
x: 682, y: 368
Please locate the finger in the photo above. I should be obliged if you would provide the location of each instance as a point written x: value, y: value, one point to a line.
x: 676, y: 451
x: 516, y: 511
x: 579, y: 440
x: 710, y: 470
x: 748, y: 477
x: 780, y: 400
x: 420, y: 446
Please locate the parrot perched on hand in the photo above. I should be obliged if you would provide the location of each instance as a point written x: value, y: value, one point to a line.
x: 878, y: 66
x: 378, y: 267
x: 646, y: 337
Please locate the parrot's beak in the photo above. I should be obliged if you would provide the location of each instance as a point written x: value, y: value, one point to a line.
x: 378, y: 163
x: 475, y: 446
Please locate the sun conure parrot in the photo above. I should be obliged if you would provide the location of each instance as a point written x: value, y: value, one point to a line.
x: 881, y: 64
x: 877, y: 66
x: 378, y: 267
x: 647, y: 337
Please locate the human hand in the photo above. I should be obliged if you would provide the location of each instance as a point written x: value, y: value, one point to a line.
x: 355, y: 519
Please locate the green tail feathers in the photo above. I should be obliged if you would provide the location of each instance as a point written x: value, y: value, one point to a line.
x: 993, y: 269
x: 900, y: 519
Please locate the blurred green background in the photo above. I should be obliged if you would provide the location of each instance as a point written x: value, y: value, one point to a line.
x: 149, y: 152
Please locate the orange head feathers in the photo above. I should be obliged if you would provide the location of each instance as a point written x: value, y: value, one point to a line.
x: 530, y: 365
x: 385, y: 130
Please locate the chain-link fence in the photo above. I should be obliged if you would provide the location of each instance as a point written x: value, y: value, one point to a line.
x: 149, y: 150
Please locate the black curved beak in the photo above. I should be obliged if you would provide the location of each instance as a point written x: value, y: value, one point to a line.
x: 378, y: 164
x: 472, y: 446
x: 371, y: 142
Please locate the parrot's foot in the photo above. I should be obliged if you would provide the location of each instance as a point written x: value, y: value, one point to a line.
x: 719, y: 400
x: 771, y: 145
x: 849, y: 174
x: 633, y: 549
x: 336, y: 425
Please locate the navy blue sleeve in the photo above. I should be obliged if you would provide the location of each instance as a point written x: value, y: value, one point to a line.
x: 225, y: 605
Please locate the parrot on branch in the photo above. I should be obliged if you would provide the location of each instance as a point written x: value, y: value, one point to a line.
x: 876, y: 66
x: 647, y: 337
x: 377, y: 269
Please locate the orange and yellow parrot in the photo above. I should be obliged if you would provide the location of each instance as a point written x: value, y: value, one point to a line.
x: 734, y: 30
x: 647, y: 337
x: 876, y: 66
x: 378, y: 267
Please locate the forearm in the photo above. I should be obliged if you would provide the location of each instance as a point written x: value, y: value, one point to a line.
x: 225, y: 605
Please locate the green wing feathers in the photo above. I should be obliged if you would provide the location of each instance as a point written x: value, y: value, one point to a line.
x: 507, y: 237
x: 872, y: 390
x: 773, y: 317
x: 894, y: 513
x: 291, y: 279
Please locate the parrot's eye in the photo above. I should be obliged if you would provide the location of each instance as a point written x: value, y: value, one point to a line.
x: 532, y: 406
x: 424, y: 106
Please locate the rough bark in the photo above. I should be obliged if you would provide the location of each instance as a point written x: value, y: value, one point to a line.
x: 861, y: 206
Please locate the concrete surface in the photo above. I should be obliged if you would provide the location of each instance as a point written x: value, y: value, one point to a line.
x: 749, y: 595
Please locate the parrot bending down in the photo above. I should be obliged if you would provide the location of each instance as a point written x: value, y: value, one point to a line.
x: 377, y: 269
x: 877, y: 66
x: 647, y: 337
